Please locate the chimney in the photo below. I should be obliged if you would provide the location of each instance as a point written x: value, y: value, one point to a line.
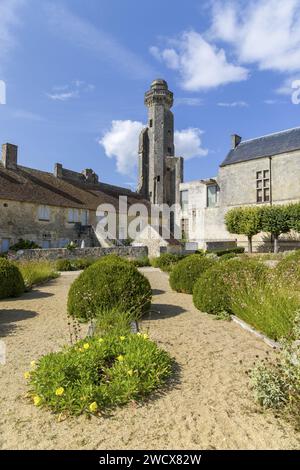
x: 235, y: 140
x: 58, y: 170
x: 10, y: 156
x: 90, y: 176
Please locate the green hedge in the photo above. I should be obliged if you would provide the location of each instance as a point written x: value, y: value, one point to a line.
x: 11, y: 280
x: 237, y: 250
x: 187, y: 271
x: 214, y: 289
x: 110, y: 282
x: 166, y: 261
x: 74, y: 264
x: 141, y: 262
x: 98, y: 373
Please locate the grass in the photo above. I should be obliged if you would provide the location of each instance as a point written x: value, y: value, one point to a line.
x: 37, y: 272
x: 267, y: 307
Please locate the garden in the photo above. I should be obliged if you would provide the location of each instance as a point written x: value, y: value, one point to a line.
x: 125, y: 342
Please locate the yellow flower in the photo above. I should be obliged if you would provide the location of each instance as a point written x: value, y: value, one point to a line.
x: 139, y: 334
x: 145, y: 336
x: 130, y: 372
x: 122, y: 338
x: 93, y: 407
x: 27, y: 375
x: 101, y: 340
x: 120, y: 358
x: 86, y: 345
x: 33, y: 364
x: 59, y: 391
x: 37, y: 400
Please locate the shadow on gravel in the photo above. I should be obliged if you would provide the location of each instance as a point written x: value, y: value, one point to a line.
x: 159, y: 311
x: 9, y: 318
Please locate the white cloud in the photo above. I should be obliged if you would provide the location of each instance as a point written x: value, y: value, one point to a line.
x: 201, y: 65
x: 188, y: 143
x: 68, y: 92
x: 265, y: 32
x: 186, y: 101
x: 9, y: 19
x: 121, y: 142
x: 234, y: 104
x: 82, y: 33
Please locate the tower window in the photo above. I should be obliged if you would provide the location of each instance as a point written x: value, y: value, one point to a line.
x: 169, y: 150
x: 212, y: 195
x: 158, y: 178
x: 151, y: 123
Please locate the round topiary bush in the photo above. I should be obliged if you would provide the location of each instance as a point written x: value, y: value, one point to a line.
x: 98, y: 373
x: 213, y: 290
x: 11, y: 280
x: 110, y: 282
x: 187, y: 271
x: 167, y: 261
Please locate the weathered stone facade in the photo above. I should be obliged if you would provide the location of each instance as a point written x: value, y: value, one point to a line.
x: 237, y: 184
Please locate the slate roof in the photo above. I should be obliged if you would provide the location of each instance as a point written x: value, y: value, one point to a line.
x: 29, y: 185
x: 265, y: 146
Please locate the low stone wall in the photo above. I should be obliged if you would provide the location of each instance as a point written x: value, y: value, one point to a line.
x: 133, y: 252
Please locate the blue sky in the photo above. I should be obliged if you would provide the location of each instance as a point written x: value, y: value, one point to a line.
x: 76, y: 72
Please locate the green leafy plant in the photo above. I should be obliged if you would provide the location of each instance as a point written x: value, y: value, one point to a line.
x: 237, y: 250
x: 244, y: 221
x: 37, y: 272
x: 187, y: 271
x: 11, y: 280
x: 64, y: 265
x: 141, y: 262
x: 275, y: 219
x: 24, y: 245
x: 213, y: 291
x: 99, y: 373
x: 166, y: 261
x: 108, y: 283
x: 276, y: 383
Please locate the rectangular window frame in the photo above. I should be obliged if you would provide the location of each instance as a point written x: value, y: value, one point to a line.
x: 184, y: 200
x: 44, y: 213
x: 209, y: 202
x: 263, y: 186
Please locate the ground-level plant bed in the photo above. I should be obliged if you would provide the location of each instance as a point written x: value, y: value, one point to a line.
x: 37, y: 272
x: 98, y: 373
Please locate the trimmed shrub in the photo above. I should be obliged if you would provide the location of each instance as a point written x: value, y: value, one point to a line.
x: 141, y: 262
x: 98, y: 373
x: 187, y: 271
x: 110, y: 282
x: 214, y: 289
x: 166, y: 261
x: 82, y: 263
x: 11, y: 280
x: 238, y: 250
x: 228, y: 256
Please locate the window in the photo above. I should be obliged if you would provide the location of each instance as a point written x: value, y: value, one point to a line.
x: 263, y: 186
x: 151, y: 123
x: 184, y: 199
x: 169, y: 149
x: 212, y: 195
x: 73, y: 216
x: 84, y: 217
x: 44, y: 213
x: 185, y: 229
x: 4, y: 245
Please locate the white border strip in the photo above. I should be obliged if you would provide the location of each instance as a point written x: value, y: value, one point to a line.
x: 245, y: 326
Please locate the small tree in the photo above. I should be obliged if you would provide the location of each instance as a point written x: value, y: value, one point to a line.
x: 276, y: 220
x: 244, y: 221
x: 294, y: 216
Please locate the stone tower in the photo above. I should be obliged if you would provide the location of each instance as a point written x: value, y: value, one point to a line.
x: 160, y: 172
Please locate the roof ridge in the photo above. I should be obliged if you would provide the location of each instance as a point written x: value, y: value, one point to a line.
x: 268, y: 135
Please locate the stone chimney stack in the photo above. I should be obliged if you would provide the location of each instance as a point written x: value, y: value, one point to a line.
x: 10, y: 156
x: 235, y: 140
x: 58, y: 170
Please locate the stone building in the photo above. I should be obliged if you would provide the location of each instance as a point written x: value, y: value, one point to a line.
x: 160, y: 172
x: 264, y: 170
x: 53, y: 209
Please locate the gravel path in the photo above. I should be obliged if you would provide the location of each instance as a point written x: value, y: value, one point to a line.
x: 208, y: 406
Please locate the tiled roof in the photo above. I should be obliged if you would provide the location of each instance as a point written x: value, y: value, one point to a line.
x: 266, y: 146
x: 30, y: 185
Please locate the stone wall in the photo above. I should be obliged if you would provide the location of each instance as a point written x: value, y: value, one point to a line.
x: 133, y: 252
